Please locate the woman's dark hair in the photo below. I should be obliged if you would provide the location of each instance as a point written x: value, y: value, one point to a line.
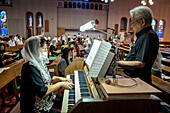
x: 65, y: 53
x: 42, y: 41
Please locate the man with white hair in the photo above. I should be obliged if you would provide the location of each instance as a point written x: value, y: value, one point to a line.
x: 144, y: 51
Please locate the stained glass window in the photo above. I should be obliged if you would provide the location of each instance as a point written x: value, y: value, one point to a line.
x: 154, y: 25
x: 161, y: 29
x: 3, y: 23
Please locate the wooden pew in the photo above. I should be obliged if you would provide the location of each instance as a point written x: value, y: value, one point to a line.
x: 164, y: 44
x: 10, y: 76
x: 163, y: 85
x: 127, y: 47
x: 166, y: 70
x: 165, y: 88
x: 15, y: 48
x: 165, y: 61
x: 164, y: 49
x: 53, y: 67
x: 124, y: 49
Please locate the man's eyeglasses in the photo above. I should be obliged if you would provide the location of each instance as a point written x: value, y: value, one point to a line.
x: 132, y: 23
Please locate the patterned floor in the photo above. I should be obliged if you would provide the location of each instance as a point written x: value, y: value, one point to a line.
x: 10, y: 104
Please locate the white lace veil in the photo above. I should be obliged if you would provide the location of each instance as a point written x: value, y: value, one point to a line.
x: 31, y: 53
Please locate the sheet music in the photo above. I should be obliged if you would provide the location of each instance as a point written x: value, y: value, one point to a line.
x: 106, y: 64
x: 99, y: 59
x: 93, y: 52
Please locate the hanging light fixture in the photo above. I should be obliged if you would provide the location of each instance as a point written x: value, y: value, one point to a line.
x: 151, y: 2
x: 144, y: 2
x: 106, y: 1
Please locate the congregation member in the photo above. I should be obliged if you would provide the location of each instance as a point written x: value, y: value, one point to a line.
x: 48, y: 40
x: 3, y: 59
x: 59, y: 39
x: 63, y: 39
x: 16, y: 37
x: 82, y: 37
x: 99, y: 37
x: 11, y: 42
x: 144, y: 51
x: 88, y: 39
x: 53, y: 49
x: 79, y: 38
x: 45, y: 37
x: 64, y: 62
x: 74, y: 37
x: 37, y: 84
x: 68, y: 38
x: 19, y: 41
x: 110, y: 39
x: 55, y: 38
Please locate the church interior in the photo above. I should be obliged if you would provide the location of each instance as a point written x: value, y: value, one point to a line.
x: 97, y: 56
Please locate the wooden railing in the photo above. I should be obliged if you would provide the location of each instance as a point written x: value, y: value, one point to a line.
x: 10, y: 74
x: 163, y: 85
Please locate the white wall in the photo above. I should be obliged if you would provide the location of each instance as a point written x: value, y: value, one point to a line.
x: 74, y: 18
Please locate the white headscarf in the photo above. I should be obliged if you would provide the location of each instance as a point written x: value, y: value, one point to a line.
x: 53, y: 42
x: 55, y: 38
x: 31, y: 53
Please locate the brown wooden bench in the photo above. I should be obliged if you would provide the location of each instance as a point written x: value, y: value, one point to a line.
x: 15, y: 48
x: 165, y: 61
x: 163, y: 85
x: 10, y: 76
x: 166, y: 70
x: 124, y: 49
